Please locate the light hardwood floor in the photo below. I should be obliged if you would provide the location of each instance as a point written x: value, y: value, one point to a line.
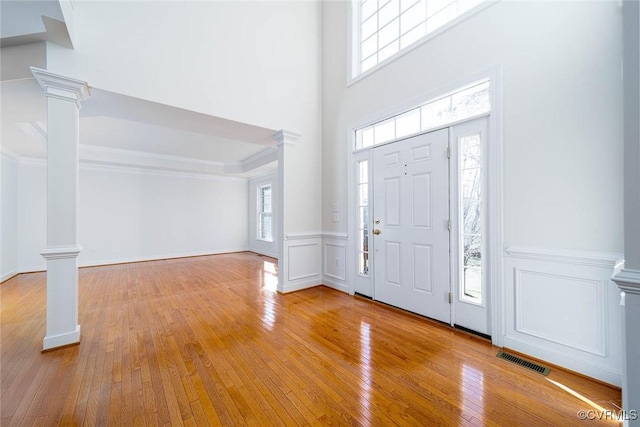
x: 207, y: 341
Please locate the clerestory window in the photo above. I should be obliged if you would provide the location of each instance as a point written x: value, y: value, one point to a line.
x: 382, y: 28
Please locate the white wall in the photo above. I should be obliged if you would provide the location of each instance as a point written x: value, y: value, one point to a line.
x: 9, y: 215
x: 252, y: 62
x: 561, y: 128
x: 128, y: 215
x: 255, y: 245
x: 562, y: 112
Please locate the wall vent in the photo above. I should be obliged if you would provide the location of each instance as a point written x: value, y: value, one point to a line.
x: 524, y: 363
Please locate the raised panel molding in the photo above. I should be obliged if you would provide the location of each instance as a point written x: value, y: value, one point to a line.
x: 586, y: 322
x: 562, y: 307
x: 301, y: 260
x: 334, y: 257
x: 301, y: 266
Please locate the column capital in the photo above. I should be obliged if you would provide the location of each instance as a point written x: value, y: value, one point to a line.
x: 61, y: 252
x: 285, y: 137
x: 61, y: 87
x: 628, y: 281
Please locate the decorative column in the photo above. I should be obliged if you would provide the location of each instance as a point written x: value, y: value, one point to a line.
x: 63, y: 106
x: 284, y: 140
x: 628, y: 280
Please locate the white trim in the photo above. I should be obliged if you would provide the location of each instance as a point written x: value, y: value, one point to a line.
x: 489, y: 73
x: 261, y: 158
x: 33, y: 269
x: 494, y: 181
x: 143, y: 159
x: 61, y: 252
x: 298, y: 286
x: 422, y: 132
x: 334, y: 235
x: 495, y: 208
x: 54, y: 341
x: 602, y: 373
x: 9, y: 275
x: 324, y: 256
x: 285, y: 137
x: 585, y: 258
x: 132, y: 259
x: 354, y: 50
x: 599, y: 347
x: 90, y: 165
x: 628, y: 281
x: 61, y: 87
x: 306, y: 235
x: 160, y: 257
x: 99, y: 149
x: 334, y: 284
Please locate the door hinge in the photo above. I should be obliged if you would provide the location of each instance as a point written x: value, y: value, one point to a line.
x: 449, y: 224
x: 450, y: 298
x: 448, y: 151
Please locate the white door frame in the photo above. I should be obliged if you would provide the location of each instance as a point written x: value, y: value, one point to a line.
x: 494, y: 202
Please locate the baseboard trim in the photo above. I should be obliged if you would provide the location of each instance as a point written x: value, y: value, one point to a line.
x: 61, y: 340
x: 130, y: 260
x: 590, y: 370
x: 294, y: 287
x: 9, y: 275
x: 333, y: 284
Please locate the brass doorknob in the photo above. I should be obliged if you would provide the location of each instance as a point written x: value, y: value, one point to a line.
x: 376, y: 232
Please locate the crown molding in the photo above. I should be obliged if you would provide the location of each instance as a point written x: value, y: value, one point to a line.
x: 61, y: 87
x: 285, y: 137
x: 252, y: 162
x: 142, y: 160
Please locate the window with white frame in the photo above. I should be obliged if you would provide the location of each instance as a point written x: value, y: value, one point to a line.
x: 363, y: 217
x: 265, y: 214
x: 471, y: 217
x: 385, y: 27
x: 464, y: 104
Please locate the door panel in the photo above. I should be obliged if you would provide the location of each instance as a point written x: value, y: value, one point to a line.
x: 411, y: 212
x: 471, y: 291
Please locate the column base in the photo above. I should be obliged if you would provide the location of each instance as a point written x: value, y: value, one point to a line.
x: 61, y: 340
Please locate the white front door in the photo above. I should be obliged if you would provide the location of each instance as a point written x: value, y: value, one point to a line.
x: 410, y: 223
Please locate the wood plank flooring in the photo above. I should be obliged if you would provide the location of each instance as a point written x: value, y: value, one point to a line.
x: 206, y: 341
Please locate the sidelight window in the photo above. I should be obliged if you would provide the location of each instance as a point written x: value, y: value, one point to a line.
x: 471, y: 217
x: 363, y: 217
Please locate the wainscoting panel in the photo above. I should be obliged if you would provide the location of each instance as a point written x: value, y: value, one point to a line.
x: 562, y: 307
x: 302, y: 263
x: 335, y: 261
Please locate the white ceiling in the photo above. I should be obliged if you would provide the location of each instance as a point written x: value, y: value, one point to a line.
x: 129, y: 131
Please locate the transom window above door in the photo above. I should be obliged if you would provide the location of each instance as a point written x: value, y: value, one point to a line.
x: 472, y: 101
x: 383, y: 28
